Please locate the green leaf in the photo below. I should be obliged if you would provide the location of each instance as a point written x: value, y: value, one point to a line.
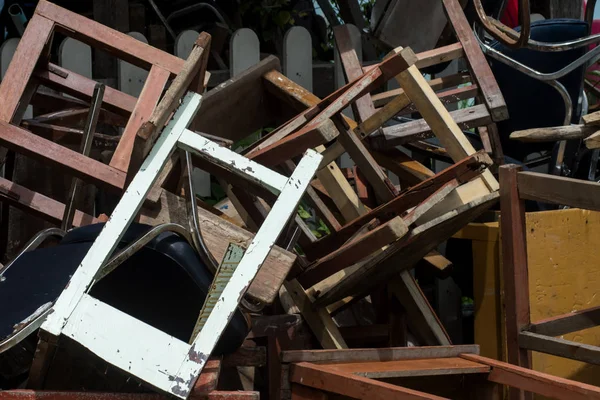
x: 282, y: 18
x: 303, y: 213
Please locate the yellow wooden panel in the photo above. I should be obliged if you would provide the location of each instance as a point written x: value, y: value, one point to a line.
x: 564, y: 275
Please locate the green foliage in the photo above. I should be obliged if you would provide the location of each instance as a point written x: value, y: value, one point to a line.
x: 316, y: 225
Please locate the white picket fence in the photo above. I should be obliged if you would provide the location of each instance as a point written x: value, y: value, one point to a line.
x: 244, y: 52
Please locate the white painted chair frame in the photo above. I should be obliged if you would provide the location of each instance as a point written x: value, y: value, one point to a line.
x: 164, y: 362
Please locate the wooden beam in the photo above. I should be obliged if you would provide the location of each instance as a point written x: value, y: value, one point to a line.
x: 536, y: 382
x: 559, y: 190
x: 567, y: 323
x: 479, y: 67
x: 354, y: 251
x: 560, y: 347
x: 514, y: 264
x: 553, y: 134
x: 324, y: 378
x: 97, y: 35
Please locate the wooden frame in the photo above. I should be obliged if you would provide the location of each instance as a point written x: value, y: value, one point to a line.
x: 164, y: 362
x: 522, y: 336
x: 311, y: 374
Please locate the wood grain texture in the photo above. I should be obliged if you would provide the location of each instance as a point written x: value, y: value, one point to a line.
x: 560, y: 347
x: 479, y: 67
x: 567, y: 323
x: 328, y: 379
x: 354, y: 251
x: 514, y: 264
x: 559, y: 190
x: 97, y: 35
x: 536, y: 382
x: 153, y: 89
x: 540, y: 135
x: 28, y: 53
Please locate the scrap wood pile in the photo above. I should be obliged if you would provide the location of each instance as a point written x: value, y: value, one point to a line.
x: 174, y: 296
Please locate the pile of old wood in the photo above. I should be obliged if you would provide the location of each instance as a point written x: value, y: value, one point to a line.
x: 104, y: 318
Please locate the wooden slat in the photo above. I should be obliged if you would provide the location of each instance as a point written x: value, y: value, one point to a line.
x: 536, y: 382
x: 439, y: 55
x: 397, y: 135
x: 385, y: 354
x: 567, y: 323
x: 514, y: 264
x: 463, y: 171
x: 408, y: 170
x: 559, y: 190
x: 560, y: 347
x: 26, y: 143
x: 97, y: 35
x: 149, y: 97
x: 81, y: 87
x: 39, y: 205
x: 354, y: 251
x: 480, y: 69
x: 324, y: 378
x: 409, y: 368
x: 28, y: 53
x: 56, y: 395
x: 553, y: 134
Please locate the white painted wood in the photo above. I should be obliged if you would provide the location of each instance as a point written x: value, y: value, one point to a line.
x: 297, y: 57
x: 244, y: 50
x: 185, y: 42
x: 258, y: 250
x: 125, y: 342
x: 232, y: 161
x: 75, y: 56
x: 132, y: 78
x: 122, y: 216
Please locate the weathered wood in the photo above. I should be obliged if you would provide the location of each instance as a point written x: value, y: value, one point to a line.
x: 410, y: 368
x: 559, y: 190
x: 560, y: 347
x: 29, y: 51
x: 481, y: 71
x: 591, y: 119
x: 218, y: 233
x: 55, y: 395
x: 514, y: 264
x: 408, y: 170
x: 354, y: 251
x: 144, y: 108
x: 593, y: 141
x: 397, y: 135
x: 328, y: 379
x: 463, y: 171
x: 194, y: 66
x: 535, y: 382
x: 556, y: 133
x: 567, y: 323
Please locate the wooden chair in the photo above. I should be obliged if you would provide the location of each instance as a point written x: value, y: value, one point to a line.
x: 416, y: 373
x: 523, y: 336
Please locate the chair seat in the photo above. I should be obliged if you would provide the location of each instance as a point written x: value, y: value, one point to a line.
x: 164, y: 284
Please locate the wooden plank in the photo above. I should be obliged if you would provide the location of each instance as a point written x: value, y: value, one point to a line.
x: 194, y: 66
x: 441, y: 54
x: 319, y: 320
x: 39, y: 205
x: 591, y: 119
x: 448, y: 97
x: 514, y: 264
x: 552, y: 134
x: 441, y: 83
x: 328, y: 379
x: 409, y: 368
x: 28, y: 53
x: 217, y: 234
x: 593, y: 141
x: 567, y: 323
x: 300, y: 392
x: 560, y: 347
x: 99, y: 36
x: 421, y: 318
x: 308, y: 136
x: 463, y: 171
x: 479, y: 67
x: 26, y: 143
x: 374, y: 354
x: 56, y: 395
x: 408, y: 170
x: 149, y: 97
x: 536, y: 382
x: 407, y: 252
x: 82, y: 88
x: 354, y: 251
x: 559, y: 190
x: 397, y: 135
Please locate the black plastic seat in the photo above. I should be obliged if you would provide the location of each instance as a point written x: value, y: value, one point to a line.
x: 164, y: 284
